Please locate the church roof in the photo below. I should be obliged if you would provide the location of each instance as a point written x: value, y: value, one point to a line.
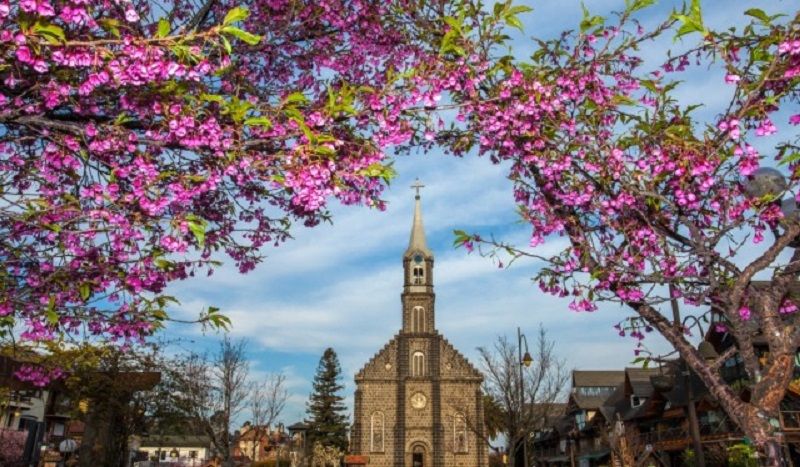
x: 417, y: 242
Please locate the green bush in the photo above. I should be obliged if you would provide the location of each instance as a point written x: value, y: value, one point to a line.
x: 742, y: 455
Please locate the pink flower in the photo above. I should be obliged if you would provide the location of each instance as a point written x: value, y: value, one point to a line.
x: 24, y: 54
x: 732, y: 79
x: 795, y: 119
x: 744, y: 313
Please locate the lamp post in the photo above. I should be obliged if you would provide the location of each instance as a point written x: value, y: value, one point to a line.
x: 523, y: 361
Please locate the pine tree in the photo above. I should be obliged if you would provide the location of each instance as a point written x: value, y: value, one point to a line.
x: 326, y: 409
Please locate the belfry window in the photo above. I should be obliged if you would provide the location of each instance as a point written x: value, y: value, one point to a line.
x: 418, y: 274
x: 418, y: 364
x: 376, y: 432
x: 418, y: 319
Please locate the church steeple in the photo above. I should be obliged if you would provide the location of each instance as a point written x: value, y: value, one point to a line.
x: 416, y: 242
x: 418, y: 284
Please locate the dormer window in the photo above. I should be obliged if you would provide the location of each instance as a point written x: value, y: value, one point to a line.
x: 636, y: 401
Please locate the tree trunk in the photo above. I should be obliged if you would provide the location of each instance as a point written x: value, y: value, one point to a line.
x: 764, y: 435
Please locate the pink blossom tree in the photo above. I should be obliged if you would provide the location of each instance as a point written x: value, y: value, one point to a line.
x: 140, y: 141
x: 655, y: 203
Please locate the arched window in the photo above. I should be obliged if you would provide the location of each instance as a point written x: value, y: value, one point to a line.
x: 459, y: 433
x: 376, y: 432
x: 418, y: 319
x: 418, y: 364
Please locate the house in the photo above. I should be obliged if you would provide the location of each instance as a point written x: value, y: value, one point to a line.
x: 261, y: 443
x: 187, y: 450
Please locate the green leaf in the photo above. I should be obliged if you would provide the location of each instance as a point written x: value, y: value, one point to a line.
x: 259, y: 121
x: 50, y: 313
x: 636, y: 5
x: 235, y: 14
x: 197, y: 226
x: 386, y: 172
x: 590, y: 21
x: 50, y: 32
x: 515, y: 10
x: 693, y: 22
x: 226, y: 44
x: 296, y: 98
x: 216, y: 319
x: 52, y: 317
x: 163, y: 28
x: 514, y: 22
x: 243, y: 36
x: 791, y: 158
x: 212, y: 98
x: 159, y: 315
x: 453, y: 23
x: 758, y: 14
x: 86, y: 291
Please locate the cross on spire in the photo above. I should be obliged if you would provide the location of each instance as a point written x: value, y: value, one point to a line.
x: 417, y: 186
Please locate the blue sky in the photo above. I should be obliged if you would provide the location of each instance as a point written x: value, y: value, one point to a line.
x: 339, y: 285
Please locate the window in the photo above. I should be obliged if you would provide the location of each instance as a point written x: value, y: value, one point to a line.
x: 459, y: 433
x: 376, y: 432
x: 580, y: 419
x: 636, y: 401
x: 58, y: 429
x: 418, y: 319
x: 419, y: 274
x: 418, y: 364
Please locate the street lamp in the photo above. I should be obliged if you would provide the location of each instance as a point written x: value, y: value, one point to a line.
x: 525, y: 361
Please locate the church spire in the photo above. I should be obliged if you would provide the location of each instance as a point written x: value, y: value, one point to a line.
x: 416, y: 242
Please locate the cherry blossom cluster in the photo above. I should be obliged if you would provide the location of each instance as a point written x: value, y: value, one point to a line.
x: 139, y: 141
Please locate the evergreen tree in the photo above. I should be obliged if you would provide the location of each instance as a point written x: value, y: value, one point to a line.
x: 326, y: 409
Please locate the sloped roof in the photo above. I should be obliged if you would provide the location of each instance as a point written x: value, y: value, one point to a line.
x: 597, y: 378
x: 639, y: 380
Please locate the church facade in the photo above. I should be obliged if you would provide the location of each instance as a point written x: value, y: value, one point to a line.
x: 418, y: 401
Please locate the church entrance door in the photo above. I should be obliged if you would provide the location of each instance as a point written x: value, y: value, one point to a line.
x: 418, y: 457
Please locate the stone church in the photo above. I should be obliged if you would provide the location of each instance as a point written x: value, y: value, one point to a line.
x: 418, y: 401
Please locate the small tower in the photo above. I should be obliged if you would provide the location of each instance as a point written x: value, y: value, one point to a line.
x: 418, y: 297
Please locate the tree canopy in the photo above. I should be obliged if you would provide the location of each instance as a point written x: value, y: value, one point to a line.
x: 141, y: 142
x: 653, y: 203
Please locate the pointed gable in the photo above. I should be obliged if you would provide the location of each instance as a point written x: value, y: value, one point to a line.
x: 382, y: 364
x: 455, y: 365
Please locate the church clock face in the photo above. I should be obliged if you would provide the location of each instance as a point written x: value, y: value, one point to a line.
x: 417, y: 258
x: 418, y: 400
